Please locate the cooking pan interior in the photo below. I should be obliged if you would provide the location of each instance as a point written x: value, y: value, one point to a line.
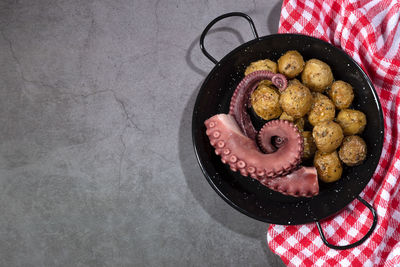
x: 248, y: 195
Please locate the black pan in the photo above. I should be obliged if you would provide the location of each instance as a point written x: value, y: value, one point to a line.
x: 248, y: 195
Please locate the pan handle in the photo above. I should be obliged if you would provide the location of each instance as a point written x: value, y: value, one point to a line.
x: 359, y: 242
x: 232, y: 14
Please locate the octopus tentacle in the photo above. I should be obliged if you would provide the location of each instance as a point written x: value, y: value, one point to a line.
x: 276, y: 165
x: 241, y: 95
x: 275, y: 170
x: 280, y: 81
x: 301, y: 182
x: 286, y: 135
x: 242, y: 153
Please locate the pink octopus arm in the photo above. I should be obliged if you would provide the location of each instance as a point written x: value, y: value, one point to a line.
x: 242, y: 154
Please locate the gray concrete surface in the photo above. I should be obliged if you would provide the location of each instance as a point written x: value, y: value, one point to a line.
x: 96, y: 160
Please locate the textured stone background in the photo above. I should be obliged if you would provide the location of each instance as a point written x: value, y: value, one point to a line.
x: 96, y: 160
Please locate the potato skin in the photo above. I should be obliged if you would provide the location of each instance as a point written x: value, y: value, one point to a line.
x: 265, y: 102
x: 328, y: 166
x: 309, y: 145
x: 264, y: 64
x: 353, y: 150
x: 291, y: 64
x: 327, y: 136
x: 295, y: 81
x: 286, y: 117
x: 296, y: 100
x: 341, y: 94
x: 299, y: 123
x: 317, y: 75
x: 322, y: 109
x: 352, y: 121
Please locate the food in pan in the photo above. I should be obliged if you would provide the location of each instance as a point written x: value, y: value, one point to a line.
x: 353, y: 150
x: 328, y: 166
x: 322, y: 109
x: 265, y: 102
x: 327, y: 136
x: 352, y: 121
x: 276, y: 164
x: 317, y: 75
x: 277, y: 170
x: 291, y: 64
x: 296, y: 100
x: 264, y: 64
x: 306, y: 128
x: 341, y: 94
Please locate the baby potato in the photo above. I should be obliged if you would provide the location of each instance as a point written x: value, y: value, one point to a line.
x: 353, y: 150
x: 341, y: 94
x: 264, y: 64
x: 317, y: 75
x: 286, y: 117
x: 296, y: 100
x: 294, y: 81
x: 309, y: 145
x: 352, y: 121
x: 328, y: 166
x: 299, y: 123
x: 322, y: 109
x: 327, y: 136
x: 291, y: 64
x: 265, y: 102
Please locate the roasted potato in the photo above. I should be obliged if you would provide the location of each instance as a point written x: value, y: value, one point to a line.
x: 294, y: 81
x: 341, y: 94
x: 286, y: 117
x: 317, y: 75
x: 322, y: 109
x: 353, y: 150
x: 296, y: 100
x: 327, y: 136
x: 264, y: 64
x: 352, y: 121
x: 299, y: 123
x: 328, y: 166
x: 265, y: 102
x: 309, y: 145
x: 291, y: 64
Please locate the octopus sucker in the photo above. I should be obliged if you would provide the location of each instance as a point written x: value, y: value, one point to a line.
x: 251, y: 169
x: 221, y: 144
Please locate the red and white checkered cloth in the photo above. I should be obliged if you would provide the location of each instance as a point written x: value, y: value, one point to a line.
x: 368, y: 31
